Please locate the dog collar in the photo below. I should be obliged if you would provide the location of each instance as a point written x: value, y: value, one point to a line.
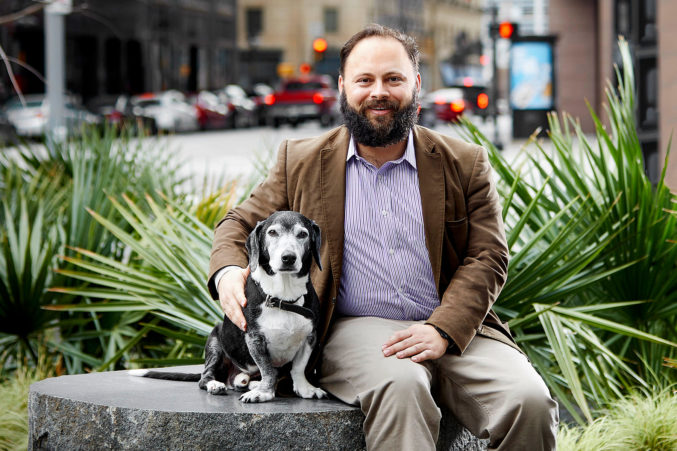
x: 289, y: 306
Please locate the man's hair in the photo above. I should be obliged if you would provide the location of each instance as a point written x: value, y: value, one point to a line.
x: 381, y: 31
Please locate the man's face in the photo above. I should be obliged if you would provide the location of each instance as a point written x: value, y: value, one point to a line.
x: 379, y: 92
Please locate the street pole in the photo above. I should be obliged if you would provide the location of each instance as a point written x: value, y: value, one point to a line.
x: 494, y: 77
x: 55, y: 67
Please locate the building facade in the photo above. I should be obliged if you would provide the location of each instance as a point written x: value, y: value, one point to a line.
x: 287, y: 28
x: 128, y: 46
x: 587, y: 51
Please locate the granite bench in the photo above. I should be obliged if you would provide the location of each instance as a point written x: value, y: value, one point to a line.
x: 114, y: 410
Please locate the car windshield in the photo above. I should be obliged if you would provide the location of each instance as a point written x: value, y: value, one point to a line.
x: 301, y: 86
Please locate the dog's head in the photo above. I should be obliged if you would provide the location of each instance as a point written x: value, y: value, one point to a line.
x: 285, y: 242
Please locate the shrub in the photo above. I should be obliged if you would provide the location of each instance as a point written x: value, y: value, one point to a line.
x: 637, y: 423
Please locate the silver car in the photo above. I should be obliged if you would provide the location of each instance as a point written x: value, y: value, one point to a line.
x: 31, y: 119
x: 169, y: 109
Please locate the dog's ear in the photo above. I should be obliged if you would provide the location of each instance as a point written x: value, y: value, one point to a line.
x: 315, y: 242
x: 252, y: 245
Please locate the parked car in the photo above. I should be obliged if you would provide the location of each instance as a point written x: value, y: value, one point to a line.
x: 212, y: 113
x: 302, y: 99
x: 259, y: 94
x: 116, y: 111
x: 445, y: 105
x: 169, y: 110
x: 244, y: 108
x: 31, y: 119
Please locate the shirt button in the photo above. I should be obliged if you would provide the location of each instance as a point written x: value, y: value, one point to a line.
x: 384, y: 212
x: 391, y: 251
x: 380, y: 177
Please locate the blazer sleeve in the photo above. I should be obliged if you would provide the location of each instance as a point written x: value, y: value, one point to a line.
x: 230, y: 235
x: 478, y: 281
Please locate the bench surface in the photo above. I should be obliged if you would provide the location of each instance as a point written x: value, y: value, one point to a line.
x: 114, y: 410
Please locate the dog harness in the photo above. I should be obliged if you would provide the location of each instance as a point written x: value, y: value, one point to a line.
x: 290, y: 307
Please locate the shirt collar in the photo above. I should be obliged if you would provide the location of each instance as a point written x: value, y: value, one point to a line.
x: 409, y: 153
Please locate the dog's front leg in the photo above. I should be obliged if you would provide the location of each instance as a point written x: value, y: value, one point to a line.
x: 264, y: 390
x: 302, y: 387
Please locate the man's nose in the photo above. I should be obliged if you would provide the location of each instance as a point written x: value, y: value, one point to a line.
x: 379, y: 90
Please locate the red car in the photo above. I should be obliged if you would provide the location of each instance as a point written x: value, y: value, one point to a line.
x: 445, y: 105
x: 301, y: 99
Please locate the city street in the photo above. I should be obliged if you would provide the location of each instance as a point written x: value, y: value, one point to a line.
x: 232, y: 153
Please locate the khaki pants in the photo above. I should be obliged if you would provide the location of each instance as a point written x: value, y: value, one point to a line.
x: 492, y: 390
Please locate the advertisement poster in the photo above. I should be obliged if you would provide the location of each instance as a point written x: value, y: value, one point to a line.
x: 531, y: 76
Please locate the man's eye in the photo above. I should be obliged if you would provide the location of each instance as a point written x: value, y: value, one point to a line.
x: 302, y: 234
x: 272, y: 232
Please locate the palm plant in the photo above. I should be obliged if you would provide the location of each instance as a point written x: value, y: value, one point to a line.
x: 618, y: 221
x: 46, y: 191
x: 170, y: 242
x: 28, y: 250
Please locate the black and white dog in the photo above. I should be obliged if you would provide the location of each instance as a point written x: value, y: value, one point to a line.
x: 282, y: 312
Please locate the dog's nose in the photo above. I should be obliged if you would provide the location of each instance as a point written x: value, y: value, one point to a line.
x: 288, y: 259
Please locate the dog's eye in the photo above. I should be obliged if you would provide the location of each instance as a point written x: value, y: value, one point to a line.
x: 272, y: 232
x: 302, y: 234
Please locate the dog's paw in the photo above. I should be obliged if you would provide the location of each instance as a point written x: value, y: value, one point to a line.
x: 308, y: 391
x: 216, y: 388
x: 257, y: 396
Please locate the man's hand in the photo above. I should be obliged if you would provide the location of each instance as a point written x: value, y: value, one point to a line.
x: 231, y: 295
x: 420, y: 342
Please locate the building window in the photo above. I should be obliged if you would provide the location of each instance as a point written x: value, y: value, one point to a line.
x: 254, y: 19
x: 330, y: 20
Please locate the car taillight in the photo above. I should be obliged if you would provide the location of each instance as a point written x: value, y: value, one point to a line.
x: 482, y: 101
x: 269, y: 99
x: 457, y: 106
x: 318, y: 98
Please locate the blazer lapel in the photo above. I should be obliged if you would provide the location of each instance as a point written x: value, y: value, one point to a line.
x: 333, y: 186
x: 431, y: 186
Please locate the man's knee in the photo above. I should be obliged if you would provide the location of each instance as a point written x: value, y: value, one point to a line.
x: 535, y: 414
x: 534, y: 399
x: 408, y: 385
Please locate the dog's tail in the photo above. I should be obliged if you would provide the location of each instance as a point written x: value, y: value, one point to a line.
x: 185, y: 377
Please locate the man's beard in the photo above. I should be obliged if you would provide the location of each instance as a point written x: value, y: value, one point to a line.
x: 386, y: 130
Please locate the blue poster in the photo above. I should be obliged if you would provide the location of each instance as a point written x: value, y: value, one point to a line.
x: 531, y: 76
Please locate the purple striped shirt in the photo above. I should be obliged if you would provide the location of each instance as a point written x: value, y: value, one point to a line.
x: 386, y: 267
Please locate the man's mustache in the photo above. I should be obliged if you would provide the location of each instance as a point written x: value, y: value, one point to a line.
x: 383, y: 103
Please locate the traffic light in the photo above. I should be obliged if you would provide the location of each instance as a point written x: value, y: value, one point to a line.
x: 320, y: 45
x: 507, y: 30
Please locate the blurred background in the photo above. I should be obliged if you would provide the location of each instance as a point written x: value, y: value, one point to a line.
x: 515, y: 59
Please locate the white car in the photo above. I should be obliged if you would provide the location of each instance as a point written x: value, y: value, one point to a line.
x: 169, y: 109
x: 32, y: 118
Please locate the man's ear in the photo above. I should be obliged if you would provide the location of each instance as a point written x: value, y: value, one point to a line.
x: 418, y: 83
x: 340, y: 84
x: 315, y: 243
x: 252, y: 245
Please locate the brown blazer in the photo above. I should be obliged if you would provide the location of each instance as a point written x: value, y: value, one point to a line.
x: 461, y: 213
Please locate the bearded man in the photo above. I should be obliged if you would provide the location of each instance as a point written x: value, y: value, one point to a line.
x: 414, y: 256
